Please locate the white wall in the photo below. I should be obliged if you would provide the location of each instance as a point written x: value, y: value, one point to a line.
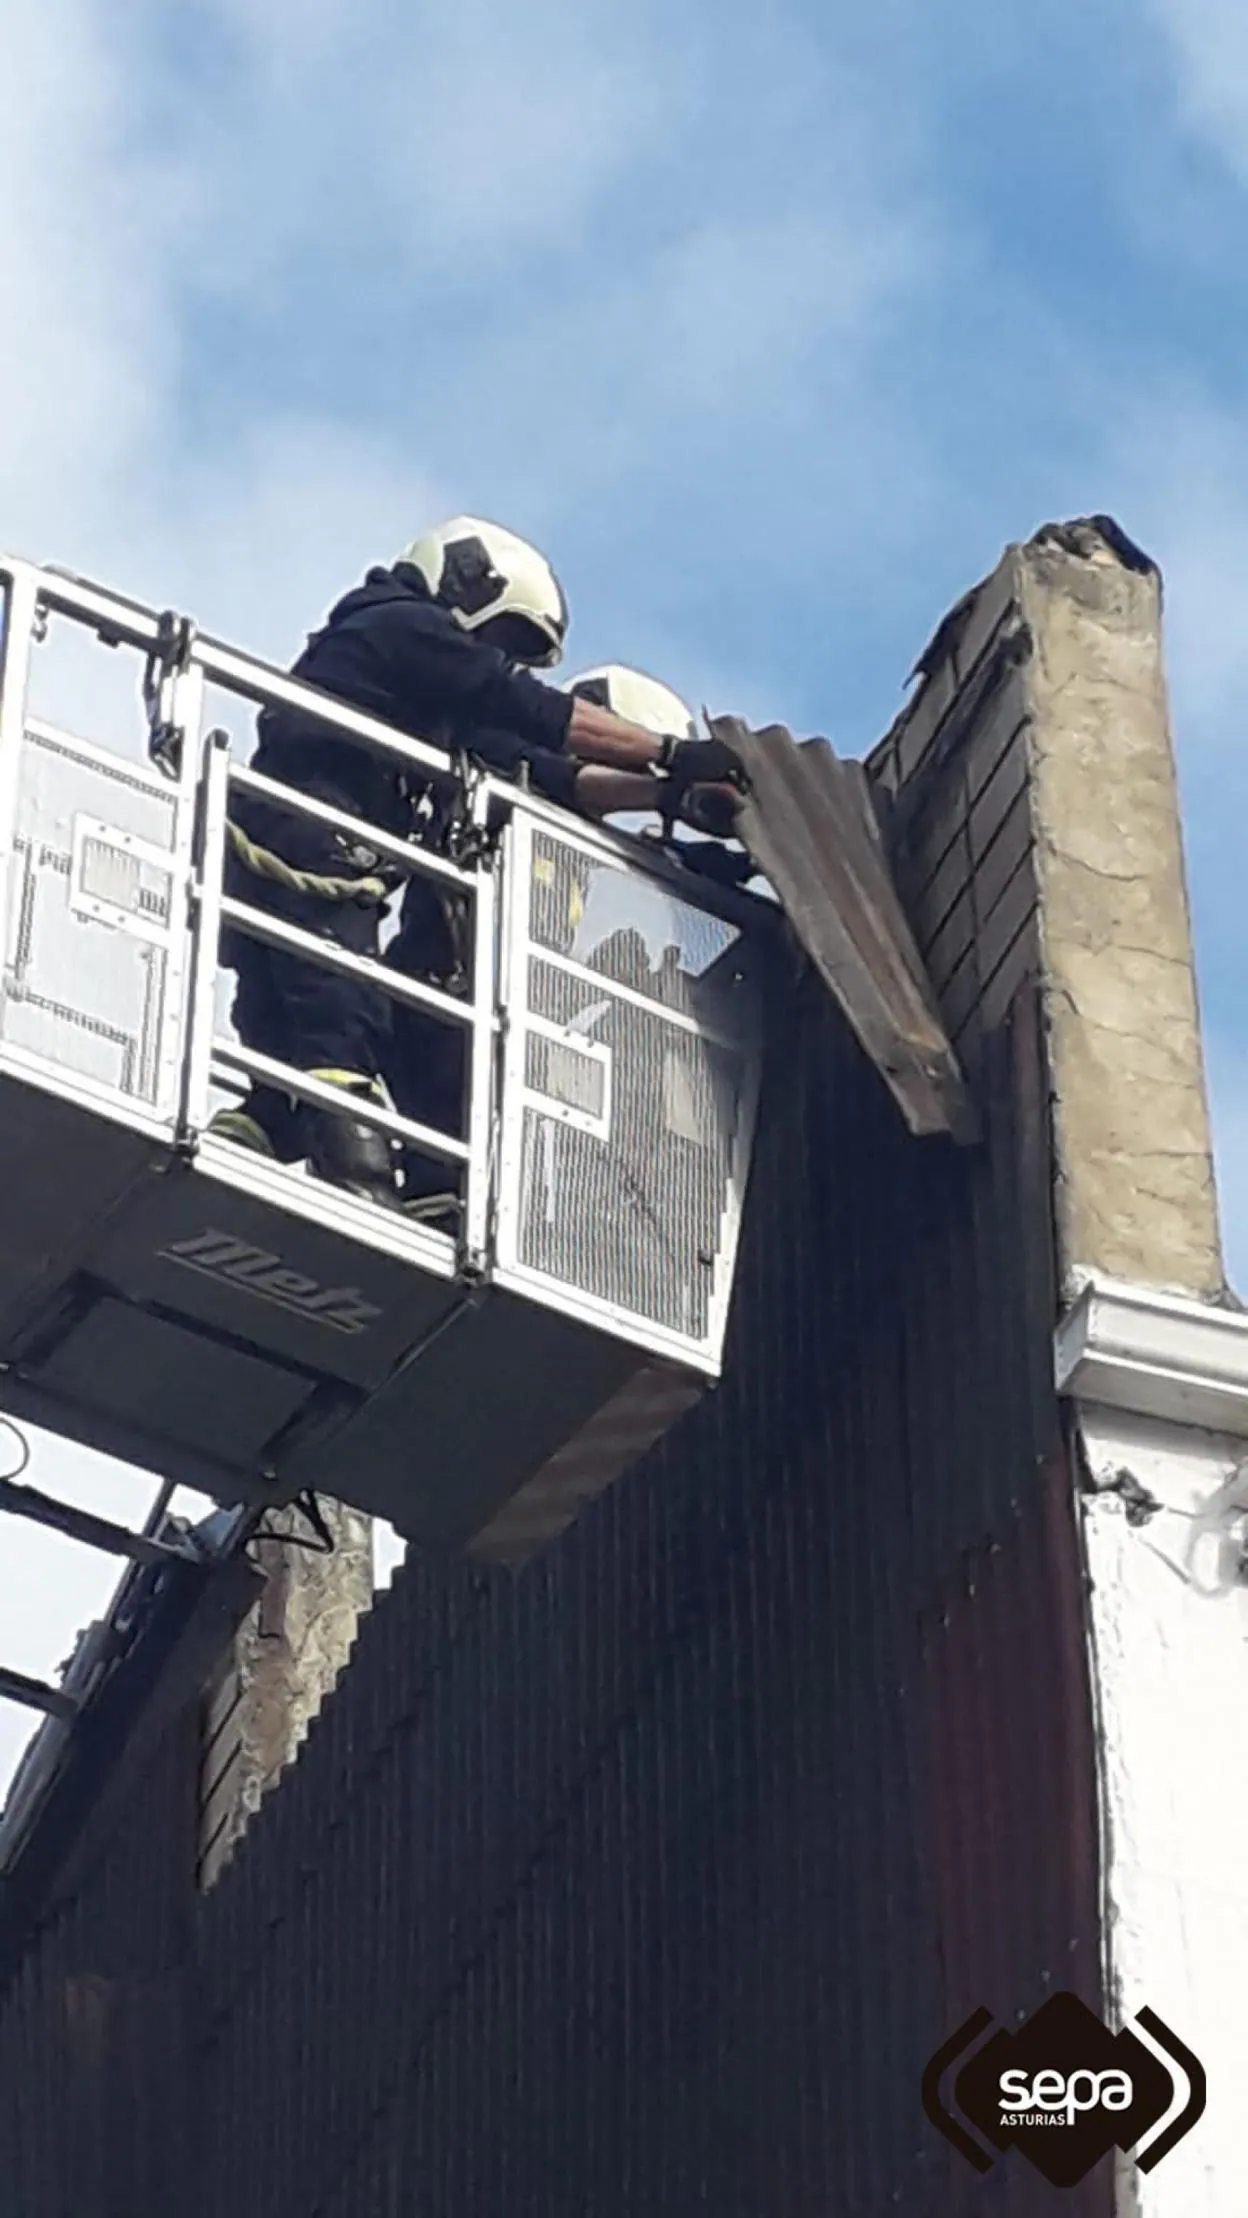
x: 1169, y: 1613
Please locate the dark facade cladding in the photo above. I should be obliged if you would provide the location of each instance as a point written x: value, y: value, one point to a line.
x: 644, y: 1882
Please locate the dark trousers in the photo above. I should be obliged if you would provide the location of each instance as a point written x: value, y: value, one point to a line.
x: 426, y: 1070
x: 289, y: 1008
x: 426, y: 1061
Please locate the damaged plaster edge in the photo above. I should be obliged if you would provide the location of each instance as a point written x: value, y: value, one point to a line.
x: 289, y: 1654
x: 1133, y: 1161
x: 1084, y: 536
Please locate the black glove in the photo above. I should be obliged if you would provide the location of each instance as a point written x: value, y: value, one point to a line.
x: 707, y: 859
x: 709, y: 809
x: 701, y: 762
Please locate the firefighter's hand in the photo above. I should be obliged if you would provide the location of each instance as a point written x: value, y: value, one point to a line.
x: 701, y: 762
x: 711, y: 809
x: 709, y: 859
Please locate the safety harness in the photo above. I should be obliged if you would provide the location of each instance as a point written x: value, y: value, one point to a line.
x: 441, y: 820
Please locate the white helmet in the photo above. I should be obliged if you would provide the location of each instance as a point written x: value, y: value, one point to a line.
x: 482, y: 572
x: 637, y: 698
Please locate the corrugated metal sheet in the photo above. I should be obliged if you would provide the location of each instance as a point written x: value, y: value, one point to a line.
x: 645, y: 1882
x: 809, y: 823
x: 634, y: 1884
x: 94, y: 2069
x: 1003, y: 1672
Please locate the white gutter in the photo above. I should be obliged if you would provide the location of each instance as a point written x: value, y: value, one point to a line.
x: 1158, y: 1355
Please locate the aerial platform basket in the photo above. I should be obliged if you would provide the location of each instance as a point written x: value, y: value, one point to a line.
x: 233, y: 1323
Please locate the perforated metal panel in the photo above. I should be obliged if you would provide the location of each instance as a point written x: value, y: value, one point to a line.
x: 629, y: 1090
x: 95, y: 931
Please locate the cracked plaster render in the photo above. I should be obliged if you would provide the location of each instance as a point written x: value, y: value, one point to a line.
x: 1131, y: 1121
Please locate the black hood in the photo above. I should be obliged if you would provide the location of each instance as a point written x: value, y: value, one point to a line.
x: 402, y: 582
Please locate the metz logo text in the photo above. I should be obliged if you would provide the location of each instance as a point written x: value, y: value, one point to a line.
x: 1063, y: 2090
x: 219, y: 1256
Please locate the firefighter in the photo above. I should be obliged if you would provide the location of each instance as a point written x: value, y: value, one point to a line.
x: 640, y: 699
x: 426, y: 1069
x: 443, y: 645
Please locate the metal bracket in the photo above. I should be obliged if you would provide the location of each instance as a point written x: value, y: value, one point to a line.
x: 168, y: 661
x: 94, y: 1532
x: 36, y: 1694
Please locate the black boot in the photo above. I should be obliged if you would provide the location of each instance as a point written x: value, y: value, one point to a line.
x: 356, y: 1157
x: 246, y: 1131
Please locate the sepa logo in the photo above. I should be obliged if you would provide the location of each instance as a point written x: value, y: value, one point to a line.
x: 1065, y: 2091
x: 218, y: 1255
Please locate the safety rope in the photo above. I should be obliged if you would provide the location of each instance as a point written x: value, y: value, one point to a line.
x: 266, y: 864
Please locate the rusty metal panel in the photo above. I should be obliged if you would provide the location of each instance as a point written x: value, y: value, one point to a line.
x: 95, y: 2076
x: 806, y: 822
x: 1010, y: 1769
x: 648, y: 1879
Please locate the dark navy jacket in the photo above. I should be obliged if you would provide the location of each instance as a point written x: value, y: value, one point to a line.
x: 390, y: 650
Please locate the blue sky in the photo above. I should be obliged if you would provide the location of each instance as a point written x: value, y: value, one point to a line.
x: 774, y: 328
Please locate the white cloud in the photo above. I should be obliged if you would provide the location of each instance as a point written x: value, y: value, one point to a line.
x: 506, y: 126
x: 638, y: 279
x: 87, y: 357
x: 711, y: 335
x: 256, y: 527
x: 97, y: 467
x: 443, y: 141
x: 287, y: 41
x: 1209, y: 41
x: 255, y: 533
x: 722, y: 322
x: 266, y: 533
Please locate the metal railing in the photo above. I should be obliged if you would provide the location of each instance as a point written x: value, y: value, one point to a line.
x: 213, y: 1059
x: 181, y: 664
x: 511, y: 959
